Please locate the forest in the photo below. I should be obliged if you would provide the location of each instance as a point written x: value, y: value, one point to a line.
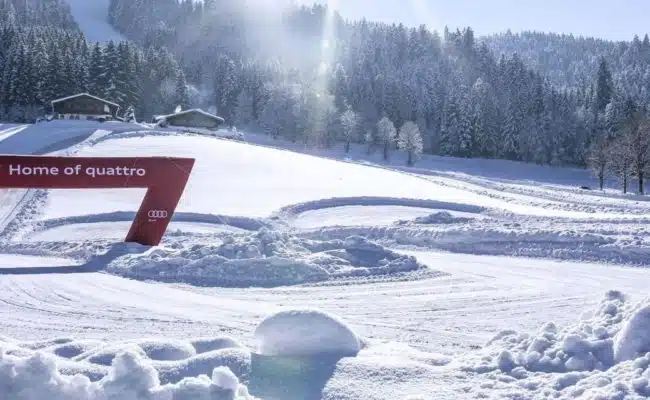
x: 306, y: 75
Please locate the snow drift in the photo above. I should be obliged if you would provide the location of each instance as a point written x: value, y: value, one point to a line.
x: 148, y: 369
x: 264, y: 258
x: 130, y: 377
x: 606, y: 355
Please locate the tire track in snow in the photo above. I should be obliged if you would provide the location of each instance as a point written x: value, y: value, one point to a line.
x: 483, y: 296
x: 114, y: 306
x: 7, y: 133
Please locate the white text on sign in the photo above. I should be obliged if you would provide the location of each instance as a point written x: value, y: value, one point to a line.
x: 76, y: 170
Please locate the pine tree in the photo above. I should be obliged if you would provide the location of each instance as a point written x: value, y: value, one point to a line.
x: 96, y: 81
x: 226, y: 88
x: 55, y: 84
x: 110, y: 75
x: 181, y: 94
x: 604, y: 87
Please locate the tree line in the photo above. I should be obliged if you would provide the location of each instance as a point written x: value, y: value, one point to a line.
x: 43, y: 63
x: 624, y: 154
x: 569, y: 61
x: 54, y: 13
x: 465, y: 99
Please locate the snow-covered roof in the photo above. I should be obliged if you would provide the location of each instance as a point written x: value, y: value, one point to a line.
x: 192, y: 111
x: 85, y: 95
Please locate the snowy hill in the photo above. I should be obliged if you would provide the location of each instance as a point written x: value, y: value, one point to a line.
x: 421, y: 276
x: 92, y: 18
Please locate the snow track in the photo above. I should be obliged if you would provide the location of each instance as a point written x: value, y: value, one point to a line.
x: 9, y: 132
x: 446, y: 314
x: 289, y: 215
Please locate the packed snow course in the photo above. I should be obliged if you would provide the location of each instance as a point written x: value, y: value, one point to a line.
x: 451, y: 279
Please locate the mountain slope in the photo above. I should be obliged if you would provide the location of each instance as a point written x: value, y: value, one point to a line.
x: 571, y: 62
x: 92, y: 18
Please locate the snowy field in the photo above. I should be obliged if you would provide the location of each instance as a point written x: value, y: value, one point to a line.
x: 452, y: 279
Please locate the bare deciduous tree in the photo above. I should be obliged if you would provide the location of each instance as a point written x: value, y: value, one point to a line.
x: 620, y: 161
x: 349, y: 123
x: 387, y: 133
x: 410, y: 139
x: 599, y: 158
x: 635, y: 146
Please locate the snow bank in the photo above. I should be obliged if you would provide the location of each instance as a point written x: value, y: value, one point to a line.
x: 167, y: 350
x: 606, y: 355
x: 518, y: 237
x: 131, y: 376
x: 163, y: 369
x: 441, y: 217
x: 154, y: 369
x: 265, y: 258
x: 305, y: 333
x: 295, y: 209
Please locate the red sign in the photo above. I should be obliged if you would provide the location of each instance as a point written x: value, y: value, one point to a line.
x: 164, y: 177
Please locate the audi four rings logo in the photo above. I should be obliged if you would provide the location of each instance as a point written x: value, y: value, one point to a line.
x: 157, y: 214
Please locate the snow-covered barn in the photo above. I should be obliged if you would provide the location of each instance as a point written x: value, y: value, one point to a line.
x: 194, y: 118
x: 84, y: 106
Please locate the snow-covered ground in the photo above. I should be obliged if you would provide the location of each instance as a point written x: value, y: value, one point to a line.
x: 452, y: 279
x: 92, y: 18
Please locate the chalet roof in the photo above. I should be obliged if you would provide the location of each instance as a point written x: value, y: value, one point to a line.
x: 192, y: 111
x: 85, y: 95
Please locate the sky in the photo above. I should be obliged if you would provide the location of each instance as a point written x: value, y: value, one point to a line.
x: 614, y: 20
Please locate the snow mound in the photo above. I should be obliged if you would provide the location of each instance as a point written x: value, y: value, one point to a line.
x: 441, y: 217
x: 131, y: 376
x: 633, y: 339
x: 166, y: 350
x: 299, y: 333
x: 106, y: 354
x: 73, y: 349
x: 153, y: 349
x: 606, y: 355
x: 237, y: 360
x: 265, y: 258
